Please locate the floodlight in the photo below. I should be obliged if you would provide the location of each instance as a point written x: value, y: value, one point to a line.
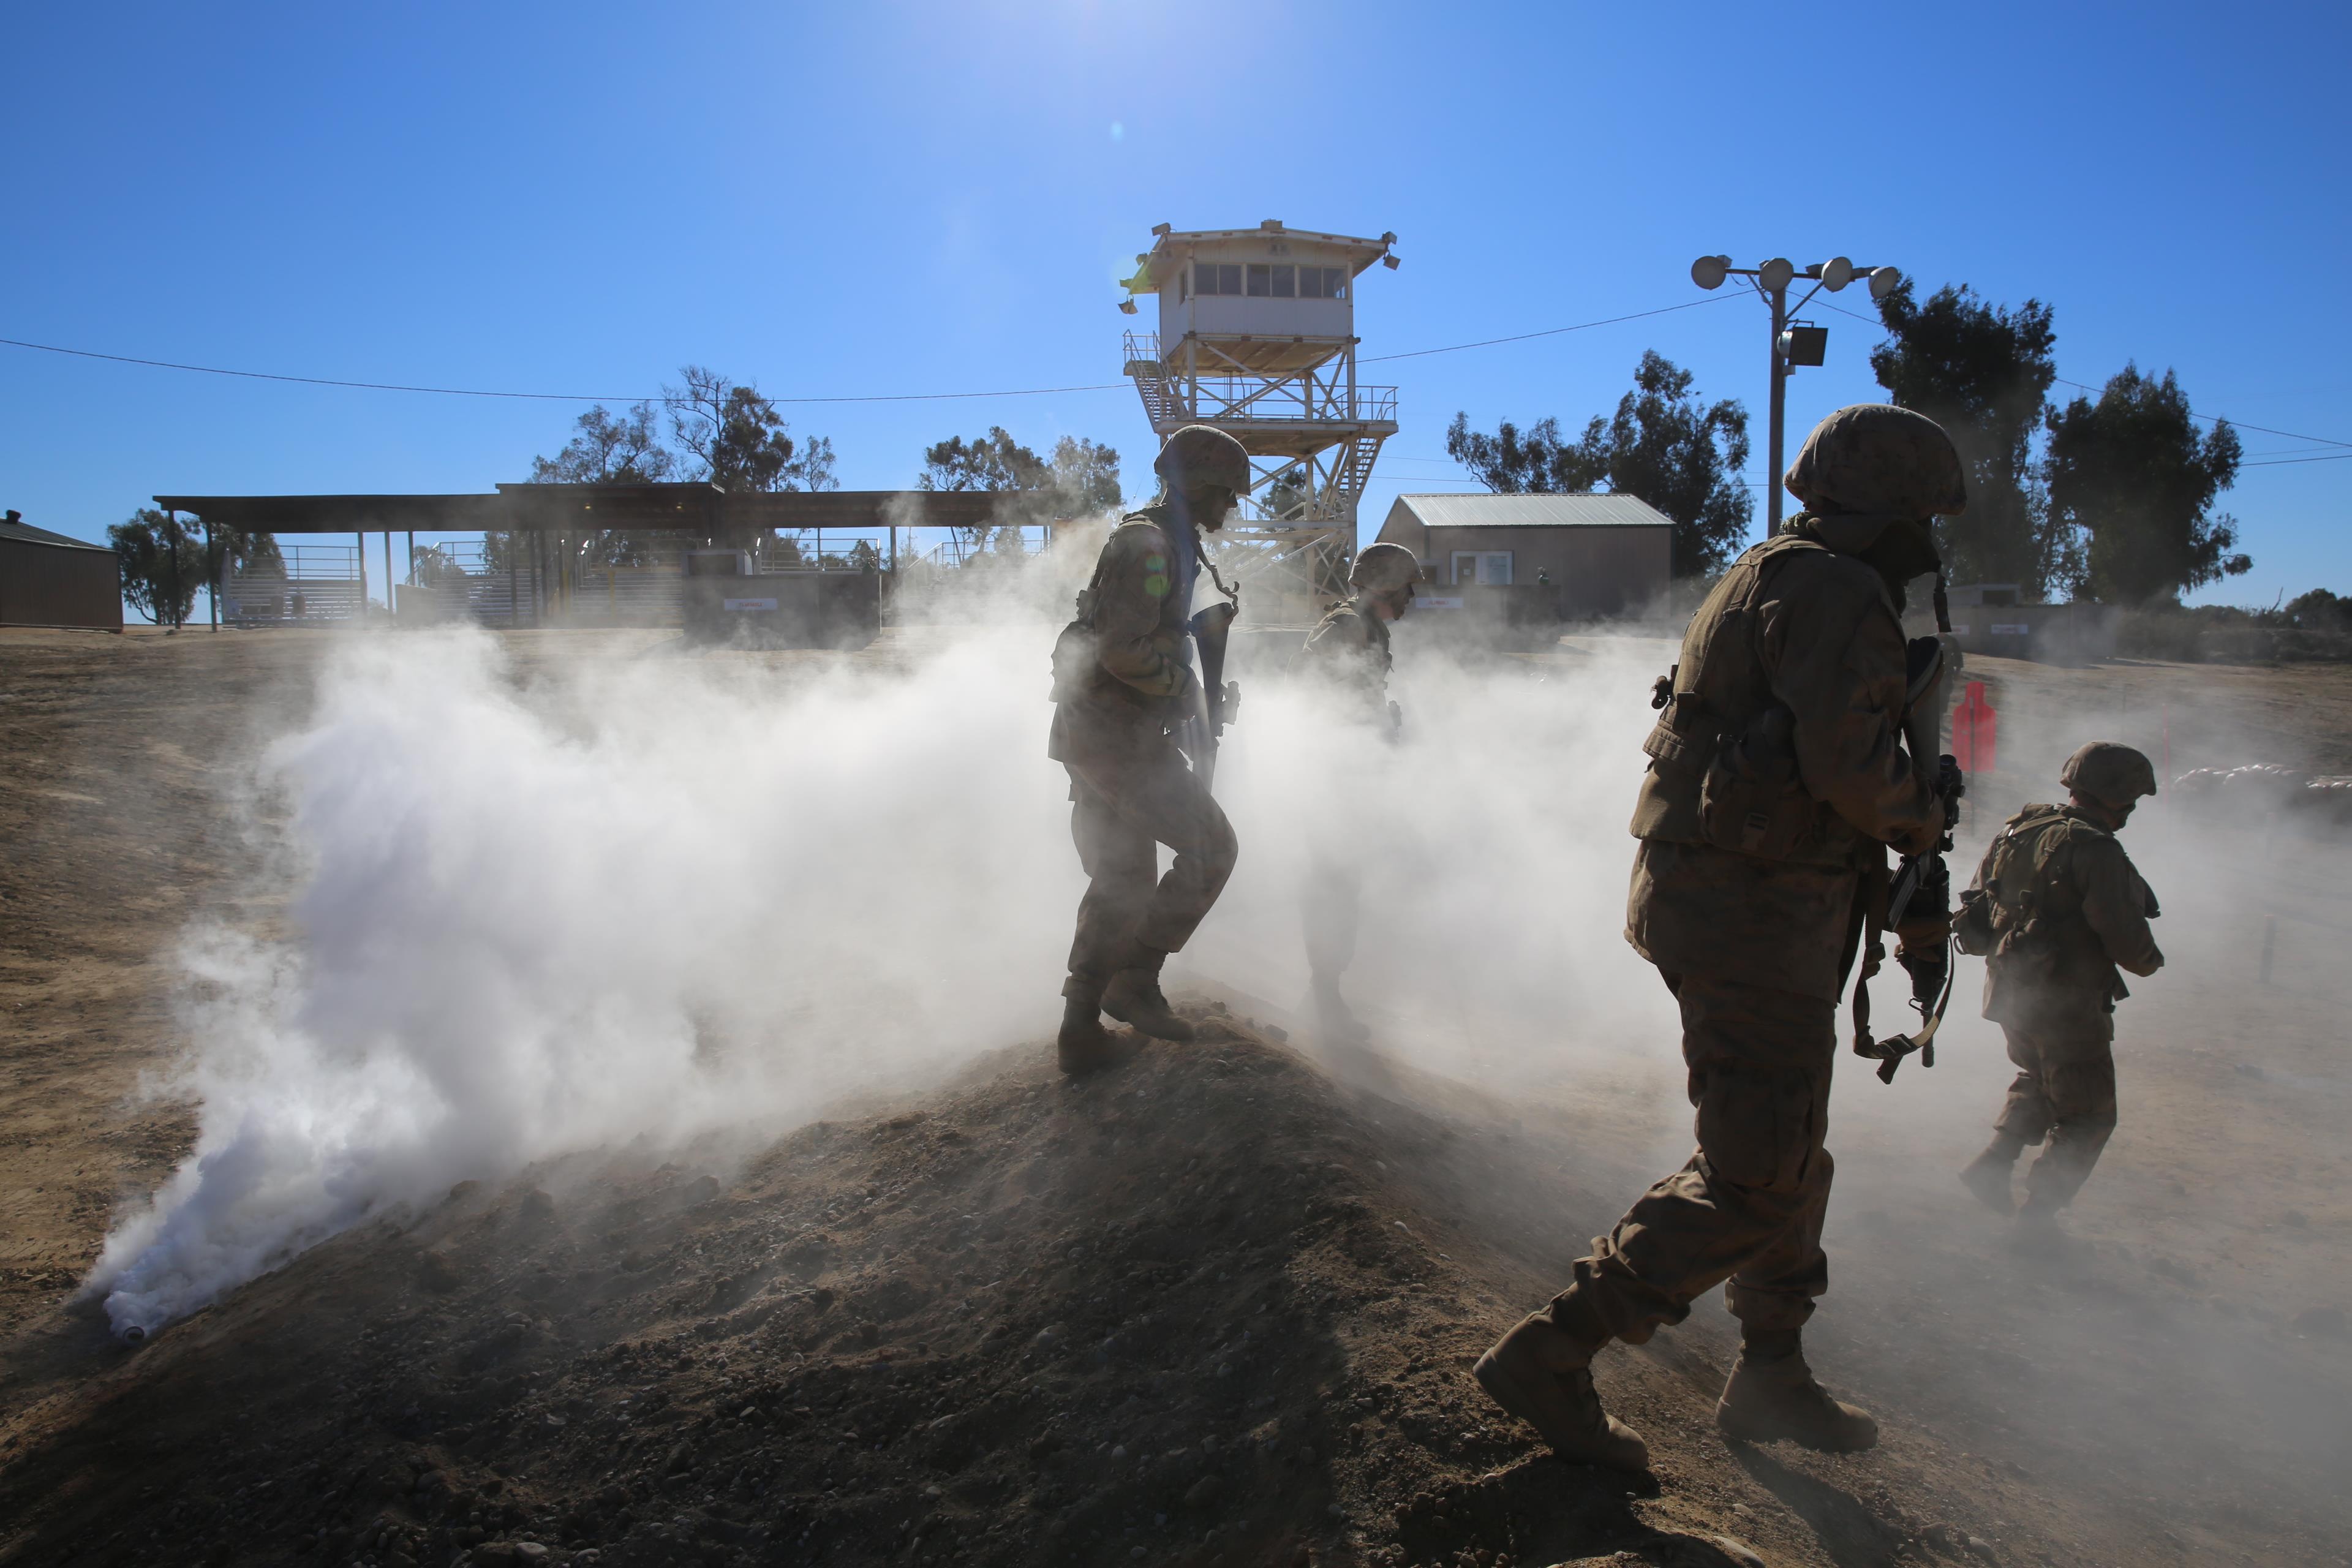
x: 1389, y: 238
x: 1776, y: 274
x: 1391, y: 262
x: 1805, y: 344
x: 1126, y: 307
x: 1160, y: 228
x: 1709, y: 271
x: 1883, y: 280
x: 1836, y: 273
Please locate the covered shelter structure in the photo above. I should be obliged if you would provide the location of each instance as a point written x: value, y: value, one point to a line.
x: 50, y: 580
x: 1565, y: 557
x: 549, y: 551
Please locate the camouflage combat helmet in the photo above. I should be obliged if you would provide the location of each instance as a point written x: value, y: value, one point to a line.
x: 1874, y: 458
x: 2112, y: 774
x: 1201, y: 455
x: 1384, y: 569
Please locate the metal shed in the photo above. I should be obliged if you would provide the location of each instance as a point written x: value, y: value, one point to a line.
x: 1586, y: 557
x: 49, y: 580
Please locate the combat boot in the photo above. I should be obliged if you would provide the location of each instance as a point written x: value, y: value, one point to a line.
x: 1987, y: 1175
x: 1771, y: 1395
x: 1083, y: 1045
x: 1134, y: 999
x: 1543, y: 1375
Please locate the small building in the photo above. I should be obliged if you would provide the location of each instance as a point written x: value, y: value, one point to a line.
x: 1576, y: 557
x: 49, y: 580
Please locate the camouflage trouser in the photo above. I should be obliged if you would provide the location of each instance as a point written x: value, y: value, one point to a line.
x: 1748, y: 1207
x: 2065, y: 1088
x: 1120, y: 812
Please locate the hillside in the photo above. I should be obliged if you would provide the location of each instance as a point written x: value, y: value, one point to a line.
x: 1188, y: 1312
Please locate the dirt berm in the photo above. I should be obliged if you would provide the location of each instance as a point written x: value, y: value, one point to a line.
x: 1206, y: 1307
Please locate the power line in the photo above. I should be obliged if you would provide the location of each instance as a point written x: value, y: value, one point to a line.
x: 1547, y: 333
x: 872, y: 397
x: 2274, y: 462
x: 533, y: 396
x: 2080, y: 386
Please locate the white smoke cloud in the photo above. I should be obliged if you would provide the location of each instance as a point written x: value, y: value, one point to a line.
x: 676, y: 899
x: 649, y: 899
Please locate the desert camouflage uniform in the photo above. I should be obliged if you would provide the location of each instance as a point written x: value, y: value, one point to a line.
x: 1799, y: 648
x: 1130, y: 788
x: 1348, y: 654
x: 2054, y: 992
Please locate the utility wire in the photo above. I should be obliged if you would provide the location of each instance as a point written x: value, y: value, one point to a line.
x: 2209, y: 418
x: 534, y: 397
x: 1547, y: 333
x: 875, y: 397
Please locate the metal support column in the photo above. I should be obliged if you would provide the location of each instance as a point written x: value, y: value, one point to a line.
x: 360, y: 540
x: 1778, y: 298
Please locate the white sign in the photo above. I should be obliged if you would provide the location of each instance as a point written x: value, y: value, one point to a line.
x: 747, y: 603
x: 1448, y: 604
x: 2002, y: 631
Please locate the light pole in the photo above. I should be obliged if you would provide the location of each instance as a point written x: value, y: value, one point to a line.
x: 1793, y: 343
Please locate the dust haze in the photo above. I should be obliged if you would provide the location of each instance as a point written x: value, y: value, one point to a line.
x: 685, y: 903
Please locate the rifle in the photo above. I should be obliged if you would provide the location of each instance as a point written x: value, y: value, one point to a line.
x: 1922, y: 889
x: 1216, y: 702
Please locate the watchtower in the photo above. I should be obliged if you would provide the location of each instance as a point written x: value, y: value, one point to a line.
x: 1257, y: 337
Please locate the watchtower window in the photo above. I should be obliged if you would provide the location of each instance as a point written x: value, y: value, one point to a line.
x: 1322, y: 283
x: 1269, y: 280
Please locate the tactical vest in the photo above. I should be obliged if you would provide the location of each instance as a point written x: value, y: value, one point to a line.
x: 1077, y: 669
x: 2025, y: 915
x: 1723, y: 760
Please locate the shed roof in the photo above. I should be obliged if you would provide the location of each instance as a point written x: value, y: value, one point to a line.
x: 692, y: 507
x: 1157, y: 266
x: 26, y: 533
x: 1456, y: 511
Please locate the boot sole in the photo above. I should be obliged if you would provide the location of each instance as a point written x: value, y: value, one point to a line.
x: 1747, y: 1429
x: 1609, y: 1450
x: 1174, y: 1029
x: 1092, y: 1058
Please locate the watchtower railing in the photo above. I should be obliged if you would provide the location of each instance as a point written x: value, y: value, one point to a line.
x: 1307, y: 397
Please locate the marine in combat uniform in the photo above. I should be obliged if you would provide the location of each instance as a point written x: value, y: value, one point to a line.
x: 1346, y: 655
x: 1123, y: 683
x: 2057, y: 908
x: 1776, y: 778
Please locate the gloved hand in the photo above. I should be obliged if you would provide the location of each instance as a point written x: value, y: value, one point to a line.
x: 1950, y: 783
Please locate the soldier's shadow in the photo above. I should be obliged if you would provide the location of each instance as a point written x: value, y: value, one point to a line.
x: 1849, y: 1529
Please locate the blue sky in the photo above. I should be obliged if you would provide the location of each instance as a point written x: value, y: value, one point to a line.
x: 896, y: 197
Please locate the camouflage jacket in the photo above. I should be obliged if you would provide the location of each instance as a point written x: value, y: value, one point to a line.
x: 2068, y: 909
x: 1349, y: 649
x: 1777, y: 772
x: 1124, y: 667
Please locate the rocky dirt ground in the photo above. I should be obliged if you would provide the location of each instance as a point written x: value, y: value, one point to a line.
x: 1215, y: 1306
